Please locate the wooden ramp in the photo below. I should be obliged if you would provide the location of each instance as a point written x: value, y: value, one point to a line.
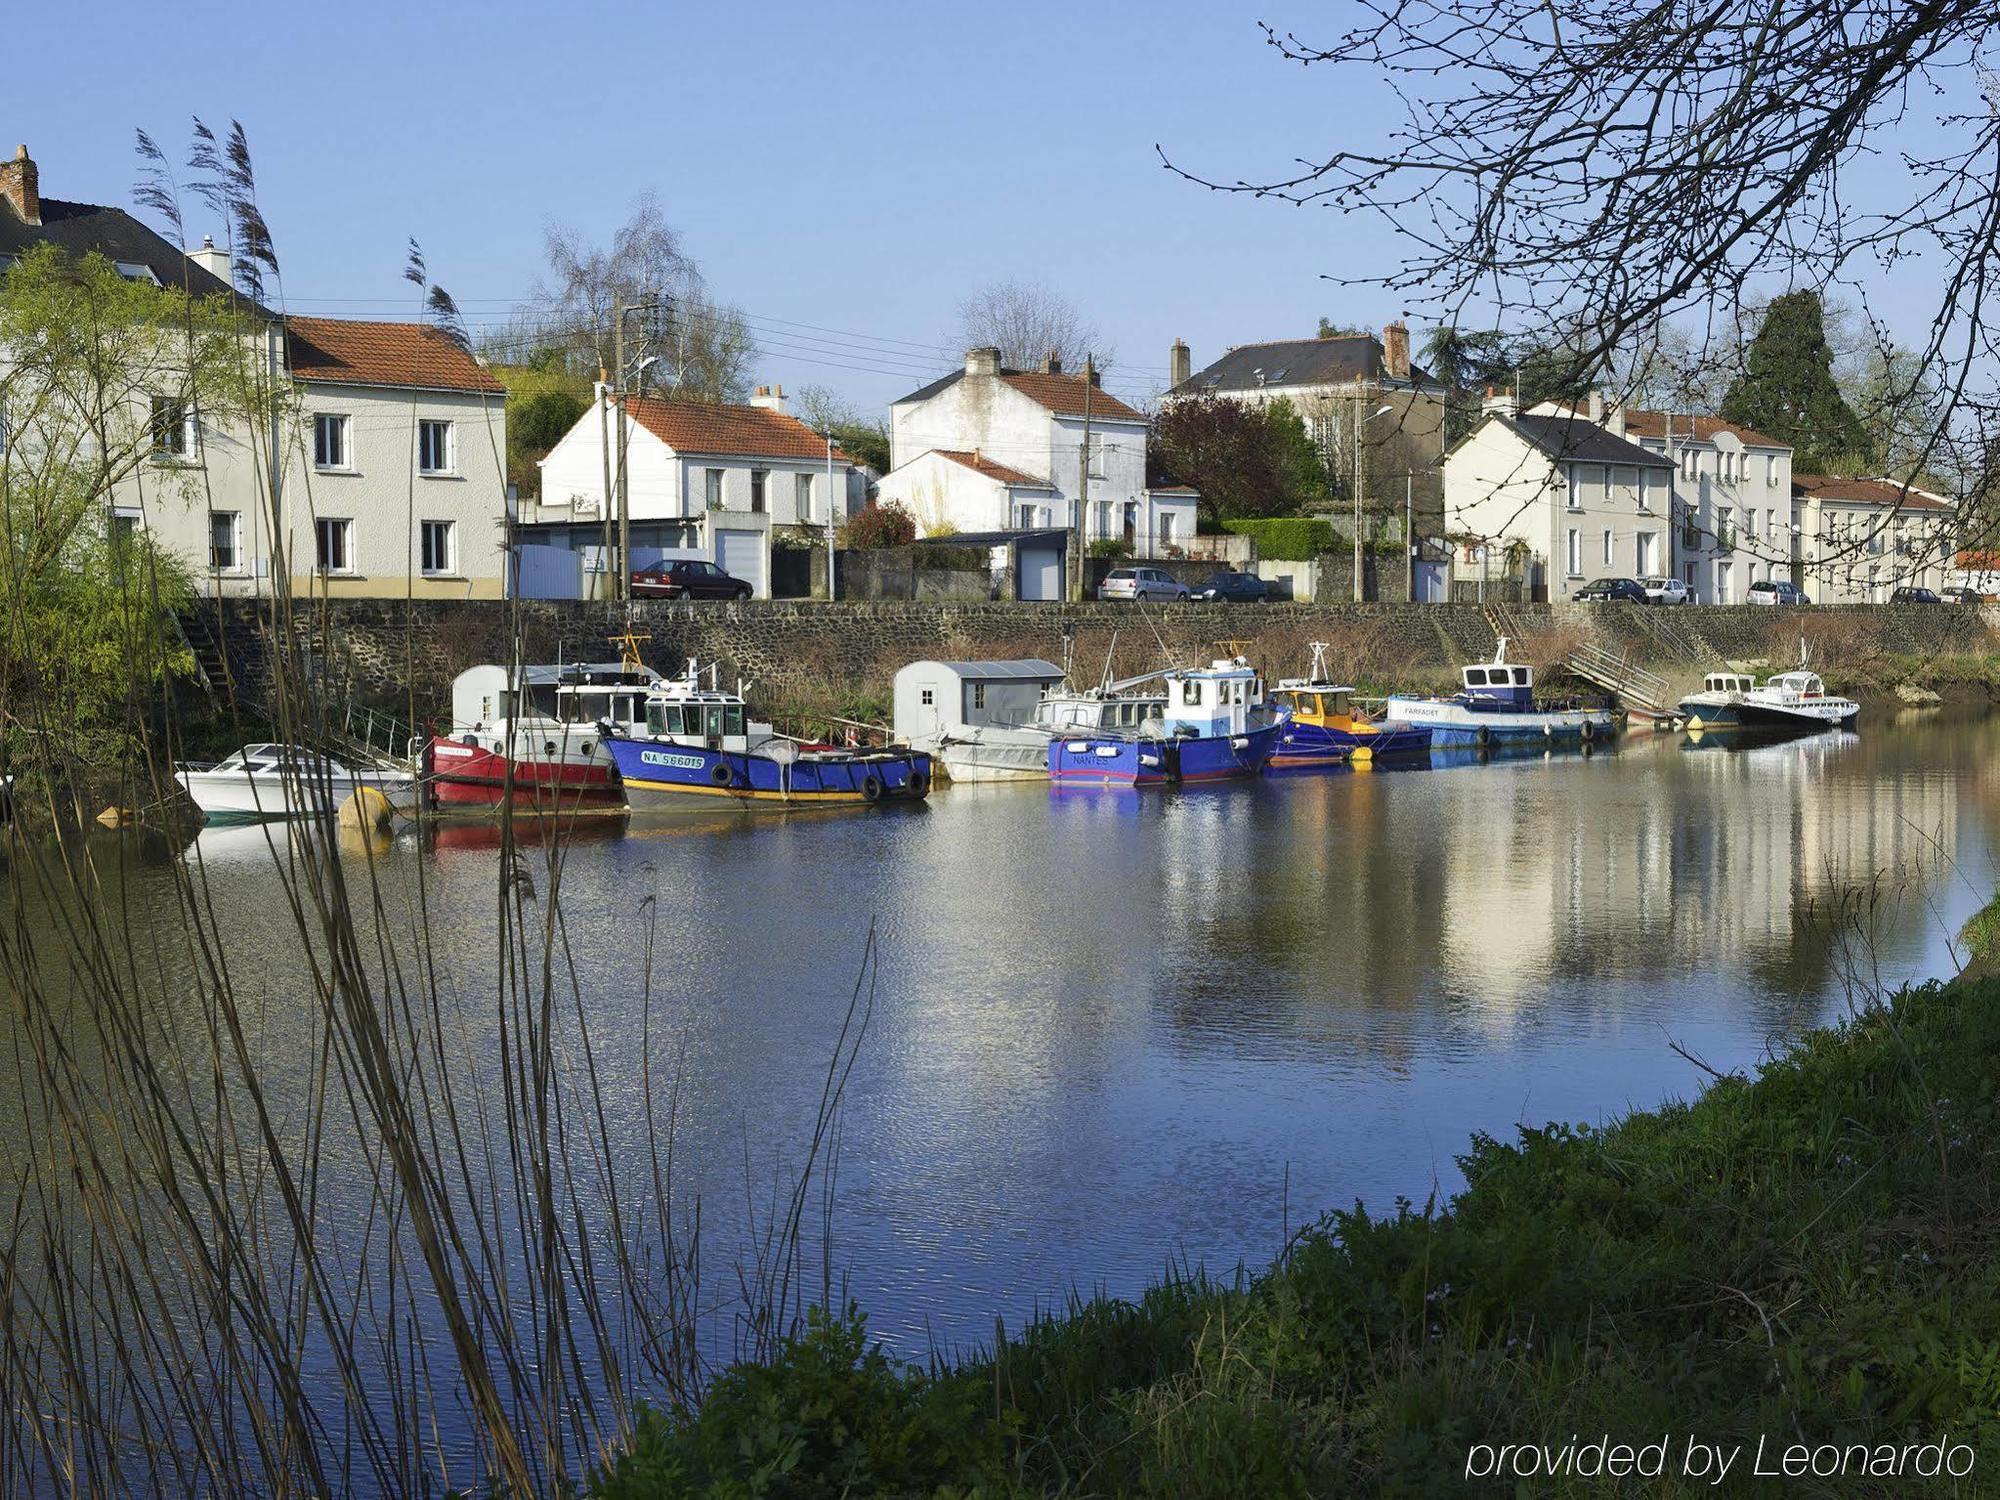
x: 1644, y: 694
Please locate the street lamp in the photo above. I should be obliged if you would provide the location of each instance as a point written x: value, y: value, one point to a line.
x: 1385, y: 407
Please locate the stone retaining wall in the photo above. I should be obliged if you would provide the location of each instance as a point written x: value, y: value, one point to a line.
x: 390, y: 652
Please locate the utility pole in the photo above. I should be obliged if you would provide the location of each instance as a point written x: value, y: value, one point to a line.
x: 604, y: 445
x: 1357, y: 492
x: 832, y: 586
x: 1082, y: 488
x: 1410, y: 536
x: 624, y: 588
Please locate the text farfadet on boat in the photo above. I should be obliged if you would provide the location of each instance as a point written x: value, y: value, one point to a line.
x: 1496, y: 704
x: 699, y: 741
x: 1321, y: 726
x: 1215, y: 725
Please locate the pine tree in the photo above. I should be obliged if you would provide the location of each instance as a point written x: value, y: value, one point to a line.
x: 1787, y: 390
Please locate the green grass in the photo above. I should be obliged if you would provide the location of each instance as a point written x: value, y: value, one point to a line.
x: 1807, y: 1254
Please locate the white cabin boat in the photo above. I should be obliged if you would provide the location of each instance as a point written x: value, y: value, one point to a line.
x: 285, y: 781
x: 1019, y: 752
x: 1796, y: 700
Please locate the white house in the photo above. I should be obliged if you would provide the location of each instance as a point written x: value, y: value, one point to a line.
x: 391, y: 437
x: 987, y: 448
x: 1864, y: 538
x: 1556, y: 500
x: 710, y: 479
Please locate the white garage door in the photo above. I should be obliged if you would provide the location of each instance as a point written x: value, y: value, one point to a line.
x: 741, y: 555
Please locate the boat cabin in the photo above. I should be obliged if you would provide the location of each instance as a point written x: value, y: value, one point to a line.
x: 1208, y: 702
x: 1499, y: 683
x: 1312, y: 701
x: 684, y: 712
x: 1062, y: 712
x: 1728, y: 682
x: 1795, y: 685
x: 936, y: 698
x: 485, y: 697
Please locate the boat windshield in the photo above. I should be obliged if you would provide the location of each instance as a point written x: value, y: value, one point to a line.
x: 710, y: 720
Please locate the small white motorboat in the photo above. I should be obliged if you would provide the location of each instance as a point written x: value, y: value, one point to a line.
x: 285, y: 781
x: 1796, y: 700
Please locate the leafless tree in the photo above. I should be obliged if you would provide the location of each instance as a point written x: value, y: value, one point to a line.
x: 1027, y: 321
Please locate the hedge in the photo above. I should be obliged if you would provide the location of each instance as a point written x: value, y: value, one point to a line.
x: 1286, y: 538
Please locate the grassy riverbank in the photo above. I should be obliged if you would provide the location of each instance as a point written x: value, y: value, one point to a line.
x: 1806, y: 1256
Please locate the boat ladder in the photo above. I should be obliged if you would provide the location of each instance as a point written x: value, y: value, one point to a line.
x: 1645, y: 693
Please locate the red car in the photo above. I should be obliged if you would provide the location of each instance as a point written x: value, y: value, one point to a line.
x: 688, y: 579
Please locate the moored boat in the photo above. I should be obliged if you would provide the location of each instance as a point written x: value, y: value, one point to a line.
x: 696, y: 741
x: 1796, y: 701
x: 1020, y: 752
x: 1321, y: 726
x: 532, y: 736
x: 1719, y: 703
x: 285, y: 781
x: 1495, y: 703
x: 1216, y: 725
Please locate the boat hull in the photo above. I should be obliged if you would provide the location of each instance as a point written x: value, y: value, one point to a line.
x: 1458, y: 725
x: 1302, y: 742
x: 659, y: 774
x: 1713, y: 715
x: 457, y: 775
x: 1025, y: 758
x: 235, y: 797
x: 1147, y: 761
x: 1804, y: 719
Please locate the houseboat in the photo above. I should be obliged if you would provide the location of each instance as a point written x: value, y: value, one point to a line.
x: 1719, y: 703
x: 1321, y: 726
x: 698, y: 740
x: 1215, y: 725
x: 532, y: 735
x: 1496, y: 703
x: 285, y: 781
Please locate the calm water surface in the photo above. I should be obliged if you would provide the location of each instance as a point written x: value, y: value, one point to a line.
x: 1113, y: 1029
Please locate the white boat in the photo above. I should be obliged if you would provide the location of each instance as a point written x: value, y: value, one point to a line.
x: 1795, y: 700
x: 1020, y: 752
x: 285, y: 781
x: 1719, y: 704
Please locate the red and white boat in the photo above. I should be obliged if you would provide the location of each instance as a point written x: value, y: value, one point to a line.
x: 531, y: 736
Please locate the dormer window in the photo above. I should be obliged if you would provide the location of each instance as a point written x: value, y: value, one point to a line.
x: 133, y: 270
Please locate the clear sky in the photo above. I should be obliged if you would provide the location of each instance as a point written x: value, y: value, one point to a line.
x: 857, y: 168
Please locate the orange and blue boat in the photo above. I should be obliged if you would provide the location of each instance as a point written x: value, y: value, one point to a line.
x: 1321, y: 727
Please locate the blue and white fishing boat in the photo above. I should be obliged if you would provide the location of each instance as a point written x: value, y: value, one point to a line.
x: 1496, y: 704
x: 700, y: 741
x: 1215, y: 725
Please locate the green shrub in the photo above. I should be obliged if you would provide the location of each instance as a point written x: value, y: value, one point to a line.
x: 1111, y: 546
x: 1286, y: 538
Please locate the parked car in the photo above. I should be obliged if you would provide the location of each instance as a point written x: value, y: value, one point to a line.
x: 1912, y: 595
x: 686, y: 578
x: 1608, y: 590
x: 1141, y: 583
x: 1234, y: 588
x: 1960, y: 594
x: 1769, y: 591
x: 1667, y: 591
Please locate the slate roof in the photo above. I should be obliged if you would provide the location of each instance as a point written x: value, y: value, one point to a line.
x: 1287, y: 362
x: 1061, y: 394
x: 1888, y: 493
x: 979, y: 463
x: 82, y: 227
x: 1579, y: 440
x: 728, y: 431
x: 413, y: 355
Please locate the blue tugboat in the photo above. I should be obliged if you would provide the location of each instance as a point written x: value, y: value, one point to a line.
x: 1215, y: 725
x: 1496, y: 705
x: 701, y: 742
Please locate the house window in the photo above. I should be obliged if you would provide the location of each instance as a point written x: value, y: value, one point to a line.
x: 225, y: 540
x: 1690, y: 463
x: 173, y: 427
x: 1575, y: 555
x: 1640, y: 476
x: 1725, y: 527
x: 1104, y: 518
x: 1027, y: 517
x: 440, y: 547
x: 330, y: 435
x: 1770, y: 525
x: 757, y: 479
x: 1771, y: 469
x: 1607, y: 548
x: 336, y: 545
x: 1096, y: 457
x: 1576, y: 487
x: 712, y: 488
x: 802, y: 495
x: 979, y: 695
x: 435, y: 453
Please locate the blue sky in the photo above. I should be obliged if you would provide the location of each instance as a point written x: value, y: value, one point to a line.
x: 857, y: 169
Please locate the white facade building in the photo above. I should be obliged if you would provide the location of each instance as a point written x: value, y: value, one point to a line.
x: 1863, y: 539
x: 703, y: 478
x: 1734, y: 523
x: 984, y: 437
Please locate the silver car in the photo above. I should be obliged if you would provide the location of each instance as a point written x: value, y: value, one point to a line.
x: 1141, y: 583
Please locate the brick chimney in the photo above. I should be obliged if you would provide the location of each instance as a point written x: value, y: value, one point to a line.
x: 1180, y: 364
x: 1396, y: 350
x: 21, y: 187
x: 212, y: 260
x: 1091, y: 373
x: 1502, y: 402
x: 982, y: 361
x: 769, y: 398
x: 1052, y: 362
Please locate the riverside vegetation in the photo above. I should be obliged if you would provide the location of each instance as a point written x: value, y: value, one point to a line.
x: 1806, y: 1256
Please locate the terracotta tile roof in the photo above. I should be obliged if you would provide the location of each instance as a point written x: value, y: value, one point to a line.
x: 1172, y: 489
x: 1063, y: 395
x: 405, y: 354
x: 1884, y: 492
x: 979, y: 463
x: 1653, y: 424
x: 733, y: 431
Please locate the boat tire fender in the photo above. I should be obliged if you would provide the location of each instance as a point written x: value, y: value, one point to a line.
x: 1485, y: 737
x: 721, y: 775
x: 871, y: 788
x: 920, y: 784
x: 1589, y: 731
